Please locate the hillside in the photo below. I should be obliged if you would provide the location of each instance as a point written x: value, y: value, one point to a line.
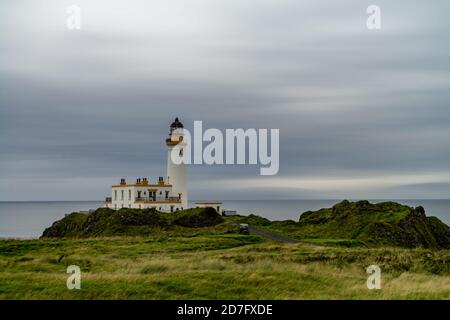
x: 132, y: 222
x: 346, y: 223
x: 385, y: 223
x: 362, y: 222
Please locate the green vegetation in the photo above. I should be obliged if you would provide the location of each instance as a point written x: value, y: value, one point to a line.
x: 210, y: 263
x: 345, y: 224
x: 362, y: 223
x: 197, y: 254
x: 130, y: 222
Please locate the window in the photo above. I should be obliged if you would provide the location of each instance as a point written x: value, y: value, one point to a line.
x: 122, y: 195
x: 181, y: 152
x: 171, y: 208
x: 115, y: 194
x: 167, y: 194
x: 129, y: 194
x: 139, y: 193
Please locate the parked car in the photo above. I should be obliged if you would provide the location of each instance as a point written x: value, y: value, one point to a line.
x: 243, y: 228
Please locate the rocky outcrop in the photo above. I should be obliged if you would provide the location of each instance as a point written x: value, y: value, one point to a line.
x: 134, y: 222
x: 387, y: 223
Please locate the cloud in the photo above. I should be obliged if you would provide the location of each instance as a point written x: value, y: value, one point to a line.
x: 353, y: 106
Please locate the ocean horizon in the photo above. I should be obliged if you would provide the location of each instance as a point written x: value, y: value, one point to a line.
x: 28, y: 219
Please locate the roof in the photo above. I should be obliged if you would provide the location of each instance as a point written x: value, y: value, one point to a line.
x: 176, y: 124
x: 141, y: 185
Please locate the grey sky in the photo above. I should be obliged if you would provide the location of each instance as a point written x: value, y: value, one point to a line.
x: 362, y: 114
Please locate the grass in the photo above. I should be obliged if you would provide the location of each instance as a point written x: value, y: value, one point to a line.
x: 361, y: 223
x: 105, y: 222
x: 210, y: 263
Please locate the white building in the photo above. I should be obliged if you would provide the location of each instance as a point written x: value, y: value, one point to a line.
x: 168, y: 194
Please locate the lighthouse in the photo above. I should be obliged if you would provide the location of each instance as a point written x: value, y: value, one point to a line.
x: 176, y: 173
x: 164, y: 195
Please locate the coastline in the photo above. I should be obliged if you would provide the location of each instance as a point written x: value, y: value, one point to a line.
x: 28, y: 219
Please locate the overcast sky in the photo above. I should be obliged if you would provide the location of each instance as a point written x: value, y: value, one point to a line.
x: 361, y: 113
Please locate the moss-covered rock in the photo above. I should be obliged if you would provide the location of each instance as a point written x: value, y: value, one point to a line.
x: 387, y: 223
x: 197, y: 217
x: 71, y: 225
x: 108, y: 222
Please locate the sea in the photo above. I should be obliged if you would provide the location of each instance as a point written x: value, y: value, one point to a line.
x: 27, y: 220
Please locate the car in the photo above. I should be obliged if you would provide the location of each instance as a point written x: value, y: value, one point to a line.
x: 243, y: 228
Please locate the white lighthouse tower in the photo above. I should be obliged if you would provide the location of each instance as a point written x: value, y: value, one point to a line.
x: 176, y: 173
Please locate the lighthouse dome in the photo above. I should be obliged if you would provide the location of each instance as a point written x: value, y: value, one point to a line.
x: 176, y: 124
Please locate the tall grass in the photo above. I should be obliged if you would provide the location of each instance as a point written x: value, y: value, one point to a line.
x: 216, y: 266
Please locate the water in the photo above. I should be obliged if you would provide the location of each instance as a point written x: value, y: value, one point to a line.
x: 29, y: 219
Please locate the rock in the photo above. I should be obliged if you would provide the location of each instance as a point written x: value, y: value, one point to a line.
x: 386, y: 223
x: 133, y: 222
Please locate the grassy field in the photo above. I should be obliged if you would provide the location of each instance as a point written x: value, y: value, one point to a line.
x: 214, y: 264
